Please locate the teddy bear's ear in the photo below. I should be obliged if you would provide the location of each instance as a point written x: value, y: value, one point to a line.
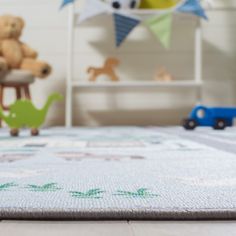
x: 22, y: 22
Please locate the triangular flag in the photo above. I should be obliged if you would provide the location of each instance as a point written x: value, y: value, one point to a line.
x: 123, y: 26
x: 193, y: 6
x: 208, y: 3
x: 66, y: 2
x: 160, y: 26
x: 93, y: 8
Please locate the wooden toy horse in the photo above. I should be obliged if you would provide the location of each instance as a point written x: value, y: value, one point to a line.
x: 163, y: 75
x: 107, y: 69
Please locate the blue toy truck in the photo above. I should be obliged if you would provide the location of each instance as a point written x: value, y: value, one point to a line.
x: 215, y: 117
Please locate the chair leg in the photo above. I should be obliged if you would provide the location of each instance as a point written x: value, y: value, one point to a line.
x: 18, y: 93
x: 1, y: 100
x: 1, y: 95
x: 27, y: 92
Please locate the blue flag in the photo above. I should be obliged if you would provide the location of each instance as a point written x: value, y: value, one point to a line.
x: 123, y: 26
x: 193, y: 6
x: 65, y: 2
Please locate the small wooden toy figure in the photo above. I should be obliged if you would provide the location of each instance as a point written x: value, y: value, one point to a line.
x: 107, y: 69
x: 163, y: 75
x: 24, y: 113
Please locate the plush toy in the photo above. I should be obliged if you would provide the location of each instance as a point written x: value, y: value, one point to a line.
x: 15, y: 54
x: 158, y: 4
x: 124, y: 4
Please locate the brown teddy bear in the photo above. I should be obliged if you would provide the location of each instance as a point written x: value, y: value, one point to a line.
x: 15, y: 54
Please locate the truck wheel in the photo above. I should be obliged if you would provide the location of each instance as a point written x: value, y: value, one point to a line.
x: 189, y: 124
x: 220, y: 124
x: 14, y: 132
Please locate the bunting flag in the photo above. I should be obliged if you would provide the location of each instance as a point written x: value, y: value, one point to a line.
x: 161, y: 26
x: 193, y: 6
x: 209, y: 3
x: 123, y: 26
x: 66, y: 2
x: 93, y: 8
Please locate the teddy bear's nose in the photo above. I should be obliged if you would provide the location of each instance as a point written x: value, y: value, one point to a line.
x: 13, y: 25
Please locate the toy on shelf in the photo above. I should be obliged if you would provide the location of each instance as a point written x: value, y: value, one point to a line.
x: 107, y: 69
x: 159, y: 4
x: 24, y: 113
x: 123, y: 4
x: 163, y: 75
x: 215, y: 117
x: 15, y: 54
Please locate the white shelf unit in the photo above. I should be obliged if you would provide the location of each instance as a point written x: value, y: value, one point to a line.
x: 71, y: 83
x: 137, y: 84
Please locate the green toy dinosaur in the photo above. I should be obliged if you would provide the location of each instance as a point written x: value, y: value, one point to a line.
x: 24, y: 113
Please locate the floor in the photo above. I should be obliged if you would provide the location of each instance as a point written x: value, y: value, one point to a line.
x: 118, y: 228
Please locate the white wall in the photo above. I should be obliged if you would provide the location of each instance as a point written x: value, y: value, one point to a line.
x: 140, y: 56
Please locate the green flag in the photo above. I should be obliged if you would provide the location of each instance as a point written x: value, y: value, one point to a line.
x: 160, y: 26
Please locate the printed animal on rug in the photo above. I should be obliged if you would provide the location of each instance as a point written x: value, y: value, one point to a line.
x: 24, y: 113
x: 13, y: 157
x: 23, y: 173
x: 107, y: 69
x: 79, y: 156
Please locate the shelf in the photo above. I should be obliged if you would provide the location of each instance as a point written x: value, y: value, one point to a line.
x: 195, y: 83
x: 150, y: 12
x: 137, y: 12
x: 147, y: 12
x: 136, y: 84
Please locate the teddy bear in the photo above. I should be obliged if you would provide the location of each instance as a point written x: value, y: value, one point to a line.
x: 15, y: 54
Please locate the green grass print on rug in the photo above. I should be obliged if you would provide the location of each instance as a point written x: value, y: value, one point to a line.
x: 140, y: 193
x: 50, y: 187
x: 7, y: 186
x: 92, y: 193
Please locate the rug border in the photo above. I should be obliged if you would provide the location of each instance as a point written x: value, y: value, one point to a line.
x: 174, y: 214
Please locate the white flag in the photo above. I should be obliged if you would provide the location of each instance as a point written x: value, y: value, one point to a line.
x: 93, y: 8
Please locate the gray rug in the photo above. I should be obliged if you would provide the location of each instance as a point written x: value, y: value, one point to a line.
x: 118, y: 173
